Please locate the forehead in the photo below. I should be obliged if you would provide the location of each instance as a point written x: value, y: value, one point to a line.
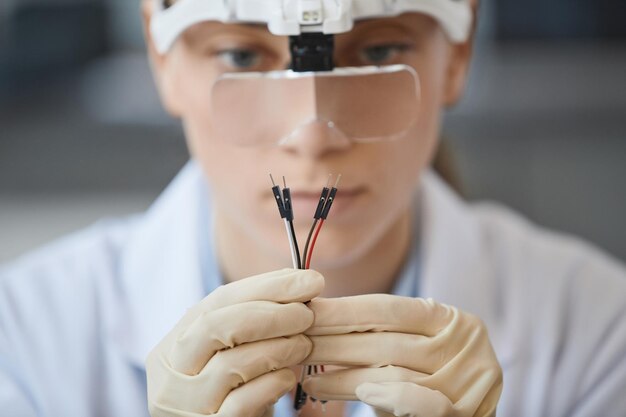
x: 415, y: 24
x: 408, y: 24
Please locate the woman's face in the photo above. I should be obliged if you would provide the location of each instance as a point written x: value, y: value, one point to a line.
x: 378, y: 178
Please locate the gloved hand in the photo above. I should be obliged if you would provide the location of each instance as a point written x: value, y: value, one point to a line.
x: 403, y: 356
x: 229, y: 355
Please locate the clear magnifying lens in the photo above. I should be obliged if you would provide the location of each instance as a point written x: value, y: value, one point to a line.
x: 360, y: 104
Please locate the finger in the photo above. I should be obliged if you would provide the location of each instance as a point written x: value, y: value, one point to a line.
x: 405, y: 399
x: 231, y: 368
x: 234, y: 325
x: 418, y: 353
x: 341, y: 385
x: 379, y: 312
x: 284, y: 286
x: 257, y: 396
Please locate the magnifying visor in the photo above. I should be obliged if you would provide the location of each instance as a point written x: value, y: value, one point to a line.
x: 359, y: 104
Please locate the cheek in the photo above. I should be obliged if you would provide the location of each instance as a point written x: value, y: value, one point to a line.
x: 239, y: 183
x: 194, y: 82
x: 230, y: 170
x: 431, y: 66
x: 407, y: 157
x: 236, y: 175
x: 425, y: 133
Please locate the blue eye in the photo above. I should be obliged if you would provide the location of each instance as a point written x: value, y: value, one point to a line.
x: 380, y: 54
x: 239, y: 58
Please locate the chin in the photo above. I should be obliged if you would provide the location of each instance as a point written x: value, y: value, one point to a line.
x: 337, y: 252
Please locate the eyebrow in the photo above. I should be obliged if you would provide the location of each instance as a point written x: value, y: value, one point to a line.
x: 217, y: 27
x: 255, y: 26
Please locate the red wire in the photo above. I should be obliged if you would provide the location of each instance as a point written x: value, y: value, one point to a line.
x: 317, y: 232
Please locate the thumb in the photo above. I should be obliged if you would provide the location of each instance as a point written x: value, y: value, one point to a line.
x: 404, y: 399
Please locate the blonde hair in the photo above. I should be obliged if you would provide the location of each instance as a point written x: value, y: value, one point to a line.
x: 445, y: 164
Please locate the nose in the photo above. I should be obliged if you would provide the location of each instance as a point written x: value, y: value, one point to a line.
x: 316, y: 139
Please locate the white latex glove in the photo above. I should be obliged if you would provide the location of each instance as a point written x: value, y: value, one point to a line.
x: 403, y: 356
x: 229, y: 355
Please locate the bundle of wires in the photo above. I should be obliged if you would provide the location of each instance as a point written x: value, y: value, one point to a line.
x: 283, y: 199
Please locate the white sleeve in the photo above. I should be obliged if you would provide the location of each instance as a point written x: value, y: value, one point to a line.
x: 15, y: 398
x: 598, y: 313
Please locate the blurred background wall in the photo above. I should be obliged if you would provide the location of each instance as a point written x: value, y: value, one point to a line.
x: 82, y: 135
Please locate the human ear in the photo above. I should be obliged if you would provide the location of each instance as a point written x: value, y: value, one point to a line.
x: 162, y: 70
x: 456, y: 78
x: 458, y: 65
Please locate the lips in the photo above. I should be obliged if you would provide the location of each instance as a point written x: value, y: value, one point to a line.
x: 305, y: 202
x: 345, y: 191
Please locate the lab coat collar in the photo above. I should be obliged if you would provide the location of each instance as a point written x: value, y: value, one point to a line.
x: 456, y: 266
x: 162, y: 265
x: 161, y: 271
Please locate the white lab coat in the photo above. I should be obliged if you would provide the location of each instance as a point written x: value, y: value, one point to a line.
x: 78, y: 317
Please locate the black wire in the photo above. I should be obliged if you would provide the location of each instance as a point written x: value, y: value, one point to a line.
x: 308, y: 240
x: 295, y: 244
